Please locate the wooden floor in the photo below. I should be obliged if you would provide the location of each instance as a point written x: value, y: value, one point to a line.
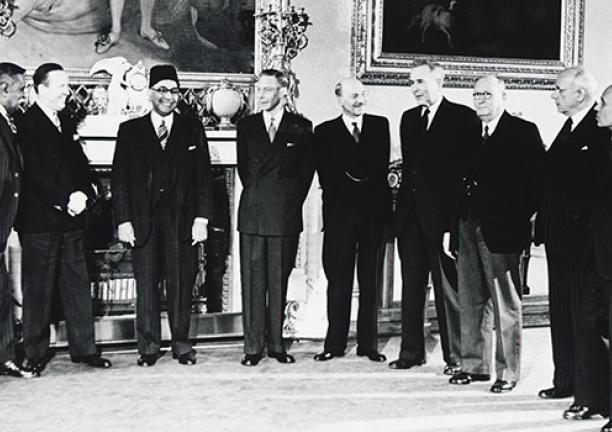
x: 218, y: 394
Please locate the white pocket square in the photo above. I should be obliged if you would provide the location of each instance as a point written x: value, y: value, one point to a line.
x: 584, y: 148
x: 191, y: 148
x: 290, y: 144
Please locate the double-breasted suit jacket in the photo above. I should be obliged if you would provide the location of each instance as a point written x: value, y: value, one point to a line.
x: 161, y: 192
x: 11, y: 169
x: 507, y: 175
x: 276, y: 176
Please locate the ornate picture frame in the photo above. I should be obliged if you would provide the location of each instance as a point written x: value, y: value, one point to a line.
x: 373, y: 63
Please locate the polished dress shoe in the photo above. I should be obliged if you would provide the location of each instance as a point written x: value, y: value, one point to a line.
x: 607, y: 427
x: 463, y: 378
x: 146, y: 360
x: 405, y: 363
x: 373, y: 355
x: 452, y: 369
x: 281, y: 357
x: 327, y: 355
x: 93, y: 360
x: 188, y: 358
x: 250, y: 359
x: 502, y: 386
x: 10, y: 368
x: 554, y: 393
x: 579, y: 412
x: 37, y: 365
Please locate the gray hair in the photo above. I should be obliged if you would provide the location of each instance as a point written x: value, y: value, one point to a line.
x: 582, y: 79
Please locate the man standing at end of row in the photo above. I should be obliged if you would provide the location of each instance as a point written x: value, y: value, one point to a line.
x: 352, y: 162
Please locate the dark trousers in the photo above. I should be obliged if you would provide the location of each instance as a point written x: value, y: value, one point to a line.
x: 7, y: 339
x: 164, y: 257
x: 489, y: 286
x: 419, y: 256
x: 359, y: 239
x: 591, y: 353
x: 48, y: 259
x: 265, y: 265
x: 563, y: 286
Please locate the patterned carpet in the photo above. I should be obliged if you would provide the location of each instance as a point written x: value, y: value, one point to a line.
x: 218, y: 394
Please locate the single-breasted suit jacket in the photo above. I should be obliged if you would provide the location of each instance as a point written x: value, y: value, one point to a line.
x: 276, y: 175
x: 11, y: 169
x: 54, y: 167
x: 506, y: 174
x: 602, y: 222
x: 333, y: 142
x: 434, y: 162
x: 189, y: 177
x: 573, y: 176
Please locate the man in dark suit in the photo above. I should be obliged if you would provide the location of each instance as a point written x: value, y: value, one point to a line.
x: 602, y: 231
x: 50, y: 221
x: 352, y: 154
x: 275, y: 166
x: 12, y: 85
x: 435, y: 136
x: 492, y: 234
x: 575, y: 162
x: 162, y: 198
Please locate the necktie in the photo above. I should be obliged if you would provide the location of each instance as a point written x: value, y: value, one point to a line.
x: 162, y: 134
x: 11, y: 124
x: 566, y: 129
x: 56, y: 121
x: 485, y: 135
x: 356, y: 134
x: 425, y: 118
x: 272, y: 129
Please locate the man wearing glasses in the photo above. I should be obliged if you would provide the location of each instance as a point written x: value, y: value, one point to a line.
x: 503, y: 196
x: 275, y: 166
x: 436, y: 135
x: 574, y: 164
x: 162, y: 201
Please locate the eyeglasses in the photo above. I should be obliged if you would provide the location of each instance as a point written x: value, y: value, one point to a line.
x: 482, y: 95
x: 175, y: 92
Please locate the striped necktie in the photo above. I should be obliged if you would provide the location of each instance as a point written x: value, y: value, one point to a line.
x: 56, y: 121
x: 11, y: 124
x: 162, y: 134
x: 356, y: 134
x: 272, y: 129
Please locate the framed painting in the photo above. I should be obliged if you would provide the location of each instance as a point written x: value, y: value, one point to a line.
x: 526, y: 42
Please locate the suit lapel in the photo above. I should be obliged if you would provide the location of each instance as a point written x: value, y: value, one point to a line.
x: 9, y: 139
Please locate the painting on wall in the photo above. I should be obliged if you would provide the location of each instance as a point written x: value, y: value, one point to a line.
x: 194, y: 35
x: 525, y: 41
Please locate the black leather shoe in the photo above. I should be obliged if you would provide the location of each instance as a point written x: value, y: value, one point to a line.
x: 327, y: 355
x: 463, y: 378
x: 373, y: 355
x: 554, y: 393
x: 607, y: 427
x: 502, y: 386
x: 281, y: 357
x: 10, y: 368
x: 94, y: 360
x: 405, y: 364
x: 188, y: 358
x: 37, y: 365
x: 452, y: 369
x: 146, y: 360
x: 579, y: 412
x: 250, y: 359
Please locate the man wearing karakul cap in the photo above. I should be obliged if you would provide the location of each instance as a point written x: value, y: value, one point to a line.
x: 162, y: 200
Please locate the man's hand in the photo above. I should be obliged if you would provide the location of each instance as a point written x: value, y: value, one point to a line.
x: 76, y: 203
x: 446, y: 246
x: 199, y: 230
x: 125, y: 231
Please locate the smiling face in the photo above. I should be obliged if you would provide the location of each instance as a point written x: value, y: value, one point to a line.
x: 352, y: 98
x: 426, y: 86
x: 489, y: 98
x: 165, y: 96
x: 53, y: 92
x: 604, y: 109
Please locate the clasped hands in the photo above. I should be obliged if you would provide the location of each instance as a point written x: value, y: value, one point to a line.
x: 199, y: 231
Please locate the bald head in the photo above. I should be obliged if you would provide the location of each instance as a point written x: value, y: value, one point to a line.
x: 604, y: 109
x: 351, y: 96
x: 489, y: 97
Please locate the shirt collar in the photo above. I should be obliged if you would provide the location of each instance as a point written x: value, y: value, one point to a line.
x: 267, y: 116
x: 433, y: 109
x: 4, y: 112
x: 492, y: 125
x: 577, y: 118
x: 156, y: 119
x: 53, y: 115
x: 348, y: 122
